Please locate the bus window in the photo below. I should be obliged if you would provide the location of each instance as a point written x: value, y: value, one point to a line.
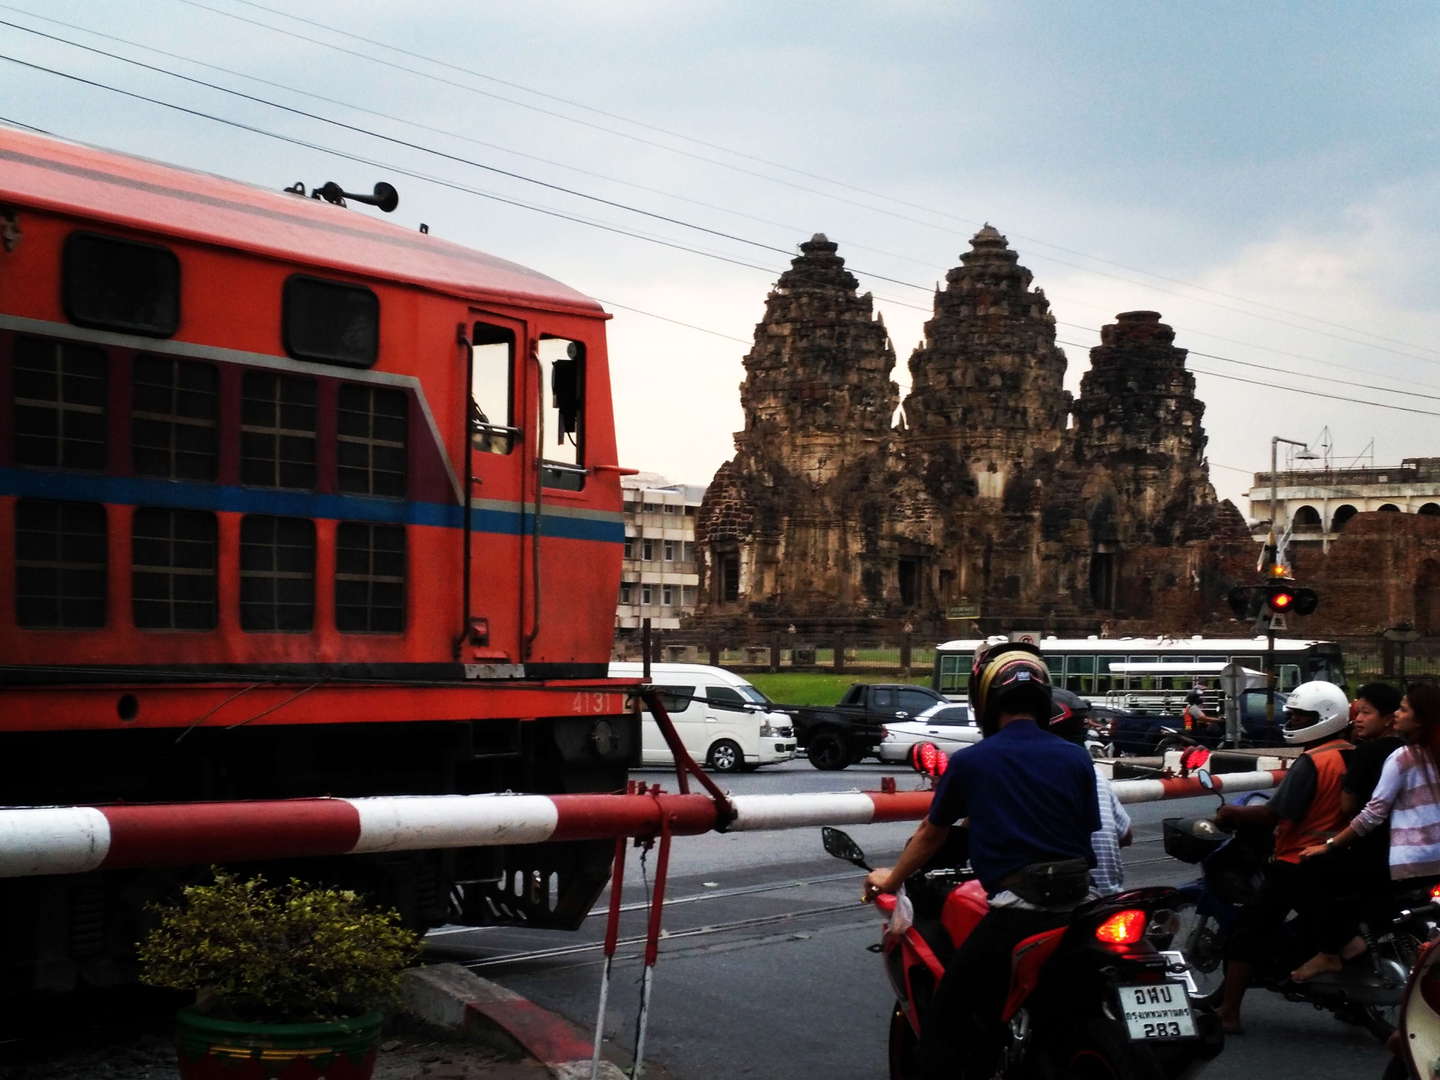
x: 562, y: 397
x: 1080, y: 674
x: 492, y: 401
x: 954, y: 674
x: 1255, y: 663
x: 1145, y: 682
x: 1289, y: 677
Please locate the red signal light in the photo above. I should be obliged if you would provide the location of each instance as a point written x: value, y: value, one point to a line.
x: 1122, y: 928
x: 1280, y: 599
x: 1435, y: 892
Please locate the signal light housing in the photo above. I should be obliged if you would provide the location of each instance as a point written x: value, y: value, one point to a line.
x: 1123, y: 928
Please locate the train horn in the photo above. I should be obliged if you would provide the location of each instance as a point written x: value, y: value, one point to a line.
x: 385, y: 197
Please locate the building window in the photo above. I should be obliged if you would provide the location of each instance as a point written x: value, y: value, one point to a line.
x: 650, y: 507
x: 277, y: 573
x: 669, y: 549
x: 116, y: 284
x: 629, y: 548
x: 669, y: 508
x: 277, y: 431
x: 60, y: 393
x: 172, y: 418
x: 173, y: 576
x: 372, y: 426
x: 667, y: 595
x: 625, y: 591
x: 647, y: 550
x: 647, y: 595
x: 331, y: 321
x: 60, y: 564
x: 370, y: 578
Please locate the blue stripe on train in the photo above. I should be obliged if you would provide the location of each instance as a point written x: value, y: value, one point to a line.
x: 135, y: 491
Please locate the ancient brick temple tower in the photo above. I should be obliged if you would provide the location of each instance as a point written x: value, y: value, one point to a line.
x: 985, y: 498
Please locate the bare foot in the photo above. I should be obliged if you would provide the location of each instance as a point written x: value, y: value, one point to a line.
x: 1319, y: 964
x: 1353, y: 948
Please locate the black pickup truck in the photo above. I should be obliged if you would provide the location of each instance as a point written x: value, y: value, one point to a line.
x: 834, y: 736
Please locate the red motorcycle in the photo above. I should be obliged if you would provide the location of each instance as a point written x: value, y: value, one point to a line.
x: 1102, y: 997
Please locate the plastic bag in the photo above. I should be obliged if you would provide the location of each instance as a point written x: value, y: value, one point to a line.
x: 903, y: 917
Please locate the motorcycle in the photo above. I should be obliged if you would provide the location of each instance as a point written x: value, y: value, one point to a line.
x: 1417, y: 1048
x: 1367, y: 992
x: 1100, y: 997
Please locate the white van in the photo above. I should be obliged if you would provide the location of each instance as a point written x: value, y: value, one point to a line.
x: 721, y: 719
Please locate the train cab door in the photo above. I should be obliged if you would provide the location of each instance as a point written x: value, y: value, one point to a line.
x: 497, y: 466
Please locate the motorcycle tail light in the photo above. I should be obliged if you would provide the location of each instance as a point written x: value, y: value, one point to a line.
x: 1122, y: 928
x: 1435, y: 892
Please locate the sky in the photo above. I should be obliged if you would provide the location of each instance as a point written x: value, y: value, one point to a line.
x: 1267, y: 176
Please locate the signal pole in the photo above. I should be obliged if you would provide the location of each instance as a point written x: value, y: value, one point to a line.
x: 1277, y: 568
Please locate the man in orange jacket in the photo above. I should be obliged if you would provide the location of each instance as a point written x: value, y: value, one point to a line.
x: 1305, y: 809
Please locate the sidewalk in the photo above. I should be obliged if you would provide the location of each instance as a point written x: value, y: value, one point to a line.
x: 450, y: 997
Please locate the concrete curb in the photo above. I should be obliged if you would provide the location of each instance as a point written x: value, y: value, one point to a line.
x: 450, y: 996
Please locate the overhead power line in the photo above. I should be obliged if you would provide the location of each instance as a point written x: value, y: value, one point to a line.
x: 649, y: 239
x: 583, y: 195
x: 745, y: 155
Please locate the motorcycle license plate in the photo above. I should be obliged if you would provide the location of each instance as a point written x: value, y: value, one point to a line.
x: 1157, y: 1011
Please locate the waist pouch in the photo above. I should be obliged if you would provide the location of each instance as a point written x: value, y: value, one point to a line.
x: 1052, y: 884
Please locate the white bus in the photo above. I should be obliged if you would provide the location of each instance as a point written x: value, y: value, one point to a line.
x: 1084, y: 664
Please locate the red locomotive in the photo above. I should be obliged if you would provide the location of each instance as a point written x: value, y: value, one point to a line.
x: 292, y: 502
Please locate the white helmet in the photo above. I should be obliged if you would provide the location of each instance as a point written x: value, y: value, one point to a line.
x: 1324, y: 699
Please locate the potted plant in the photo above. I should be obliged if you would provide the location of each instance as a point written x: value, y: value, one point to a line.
x: 289, y: 980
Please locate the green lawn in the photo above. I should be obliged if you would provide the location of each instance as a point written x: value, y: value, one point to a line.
x: 805, y: 688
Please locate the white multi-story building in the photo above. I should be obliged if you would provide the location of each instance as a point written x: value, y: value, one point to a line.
x: 1318, y: 502
x: 659, y: 575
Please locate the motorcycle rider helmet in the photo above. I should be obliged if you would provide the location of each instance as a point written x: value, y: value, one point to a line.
x: 1069, y: 714
x: 1194, y: 698
x: 1314, y: 711
x: 1008, y: 677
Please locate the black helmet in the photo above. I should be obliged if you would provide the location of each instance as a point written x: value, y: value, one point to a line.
x: 1008, y: 677
x: 1068, y: 714
x: 1194, y: 698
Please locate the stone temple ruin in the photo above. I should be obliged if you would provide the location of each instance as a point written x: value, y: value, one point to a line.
x: 991, y: 499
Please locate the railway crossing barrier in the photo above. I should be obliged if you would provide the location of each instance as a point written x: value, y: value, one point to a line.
x: 80, y: 839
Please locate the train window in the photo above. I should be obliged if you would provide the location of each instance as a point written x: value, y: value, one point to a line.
x: 331, y: 321
x: 172, y: 418
x: 372, y: 428
x: 60, y: 399
x: 277, y: 573
x: 277, y: 431
x: 60, y: 564
x: 173, y: 576
x: 492, y: 410
x: 370, y: 577
x: 562, y: 397
x: 116, y: 284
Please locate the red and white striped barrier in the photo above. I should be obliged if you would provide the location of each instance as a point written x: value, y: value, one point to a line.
x: 79, y: 839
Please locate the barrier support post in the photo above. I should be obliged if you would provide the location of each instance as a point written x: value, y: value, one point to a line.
x: 612, y: 937
x: 652, y: 946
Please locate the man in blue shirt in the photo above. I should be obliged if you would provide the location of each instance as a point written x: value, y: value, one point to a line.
x: 1031, y: 804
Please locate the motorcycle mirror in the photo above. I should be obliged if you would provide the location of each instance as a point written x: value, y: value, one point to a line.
x: 840, y: 845
x: 927, y: 759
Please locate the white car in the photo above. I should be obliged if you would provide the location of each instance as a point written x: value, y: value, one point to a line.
x: 946, y: 724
